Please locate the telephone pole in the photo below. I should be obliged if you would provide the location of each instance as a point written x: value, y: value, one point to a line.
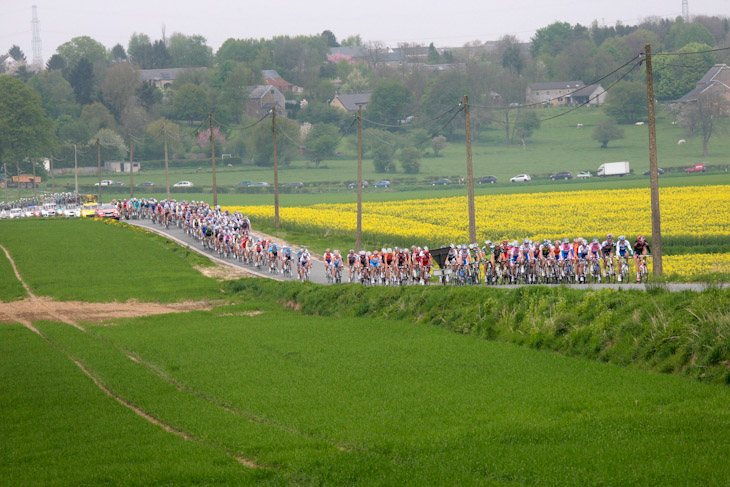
x: 76, y: 171
x: 35, y: 194
x: 358, y: 240
x: 212, y: 159
x: 470, y: 176
x: 276, y: 170
x: 656, y: 222
x: 98, y: 161
x: 131, y: 167
x: 167, y: 167
x: 17, y: 169
x: 53, y: 177
x: 5, y: 168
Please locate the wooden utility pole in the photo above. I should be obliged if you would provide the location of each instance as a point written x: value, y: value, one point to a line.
x: 53, y: 177
x: 212, y: 160
x: 276, y: 170
x: 358, y: 240
x: 5, y: 168
x: 656, y: 222
x: 470, y: 176
x: 35, y: 194
x: 76, y: 171
x: 98, y: 160
x: 167, y: 167
x: 17, y: 169
x: 131, y: 167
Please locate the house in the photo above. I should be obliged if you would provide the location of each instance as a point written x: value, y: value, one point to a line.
x: 553, y: 93
x: 163, y: 78
x: 716, y: 80
x: 262, y: 98
x: 273, y: 78
x: 352, y: 55
x: 351, y: 103
x: 588, y: 95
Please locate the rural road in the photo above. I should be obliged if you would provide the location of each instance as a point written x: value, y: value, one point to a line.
x: 317, y: 273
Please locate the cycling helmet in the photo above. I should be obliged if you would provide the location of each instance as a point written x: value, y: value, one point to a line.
x: 352, y: 251
x: 641, y: 238
x: 390, y: 251
x: 526, y: 241
x: 621, y: 238
x: 609, y: 236
x: 565, y: 240
x: 327, y: 250
x: 595, y: 240
x: 451, y: 245
x: 425, y: 249
x: 487, y: 242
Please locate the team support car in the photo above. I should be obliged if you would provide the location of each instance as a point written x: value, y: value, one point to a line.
x: 262, y: 184
x: 89, y: 209
x: 441, y: 182
x: 354, y: 184
x: 243, y: 184
x: 696, y: 168
x: 107, y: 211
x: 72, y: 211
x: 584, y: 175
x: 487, y: 180
x: 146, y: 183
x: 520, y: 178
x: 183, y: 184
x: 104, y: 182
x: 383, y: 184
x: 659, y: 170
x: 562, y: 175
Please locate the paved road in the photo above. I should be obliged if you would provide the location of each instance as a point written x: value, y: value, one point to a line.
x: 317, y: 274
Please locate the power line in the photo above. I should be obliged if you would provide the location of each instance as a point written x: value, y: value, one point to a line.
x: 691, y: 52
x: 411, y: 125
x: 242, y: 128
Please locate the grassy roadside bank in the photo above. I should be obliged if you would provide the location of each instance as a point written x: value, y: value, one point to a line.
x: 677, y: 333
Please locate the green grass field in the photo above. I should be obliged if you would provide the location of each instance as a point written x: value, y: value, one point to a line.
x: 10, y: 288
x: 372, y: 396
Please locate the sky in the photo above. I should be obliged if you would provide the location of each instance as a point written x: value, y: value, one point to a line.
x: 446, y: 24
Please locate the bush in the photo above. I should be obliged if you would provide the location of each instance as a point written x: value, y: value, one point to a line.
x: 410, y: 160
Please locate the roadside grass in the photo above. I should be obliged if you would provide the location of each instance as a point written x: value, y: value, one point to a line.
x: 11, y: 288
x: 59, y: 429
x: 409, y: 404
x: 90, y: 260
x: 682, y: 333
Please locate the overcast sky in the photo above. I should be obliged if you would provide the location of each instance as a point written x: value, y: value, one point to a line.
x: 445, y: 23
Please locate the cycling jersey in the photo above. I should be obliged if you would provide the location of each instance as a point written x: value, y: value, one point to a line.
x: 623, y: 247
x: 607, y: 247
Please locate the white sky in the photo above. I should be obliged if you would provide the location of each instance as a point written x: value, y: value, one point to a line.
x: 442, y: 22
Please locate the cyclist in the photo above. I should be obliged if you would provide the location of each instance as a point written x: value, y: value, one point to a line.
x: 607, y: 251
x: 622, y: 248
x: 305, y: 262
x: 641, y: 249
x: 425, y: 266
x: 351, y: 259
x: 582, y: 255
x: 286, y: 256
x: 327, y: 258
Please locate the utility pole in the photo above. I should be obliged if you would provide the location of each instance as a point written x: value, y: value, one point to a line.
x: 53, y: 176
x: 5, y: 167
x: 470, y: 176
x: 17, y: 168
x: 656, y: 221
x: 35, y: 194
x: 76, y: 171
x: 167, y: 167
x: 98, y: 160
x: 131, y: 167
x: 276, y: 170
x: 358, y: 240
x: 212, y: 159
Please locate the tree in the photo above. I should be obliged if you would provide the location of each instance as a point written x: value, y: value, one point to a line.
x: 80, y: 48
x: 119, y: 85
x: 96, y: 116
x: 159, y: 56
x: 606, y: 131
x: 26, y: 130
x: 410, y: 160
x: 287, y: 145
x: 57, y: 96
x: 356, y: 82
x: 678, y: 74
x: 330, y: 38
x: 111, y: 141
x: 626, y: 102
x: 552, y: 39
x: 682, y: 34
x: 703, y: 113
x: 82, y: 81
x: 321, y: 142
x: 318, y: 112
x: 352, y: 41
x: 189, y: 51
x: 383, y: 158
x: 511, y: 53
x: 16, y: 53
x: 190, y: 103
x: 148, y: 95
x: 527, y: 123
x: 118, y: 53
x: 390, y: 102
x: 438, y: 144
x: 56, y: 62
x: 433, y: 56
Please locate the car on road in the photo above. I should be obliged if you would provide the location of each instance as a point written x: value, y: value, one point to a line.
x: 72, y: 211
x: 89, y: 209
x: 261, y: 184
x: 116, y: 183
x: 659, y: 170
x: 183, y: 184
x: 584, y: 175
x: 104, y: 182
x: 696, y: 168
x: 354, y: 184
x: 16, y: 213
x: 146, y: 183
x: 243, y: 184
x: 441, y: 182
x: 562, y: 175
x: 294, y: 185
x: 383, y: 184
x: 107, y: 211
x: 521, y: 178
x: 487, y: 180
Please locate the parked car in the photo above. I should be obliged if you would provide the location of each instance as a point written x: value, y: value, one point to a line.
x: 116, y: 183
x: 562, y: 175
x: 262, y: 184
x: 487, y: 180
x: 354, y: 184
x: 520, y: 178
x: 441, y: 182
x: 183, y: 184
x: 294, y: 185
x: 584, y: 175
x: 696, y: 168
x: 104, y: 182
x: 107, y: 211
x: 659, y: 170
x: 146, y: 183
x: 242, y: 184
x: 383, y: 184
